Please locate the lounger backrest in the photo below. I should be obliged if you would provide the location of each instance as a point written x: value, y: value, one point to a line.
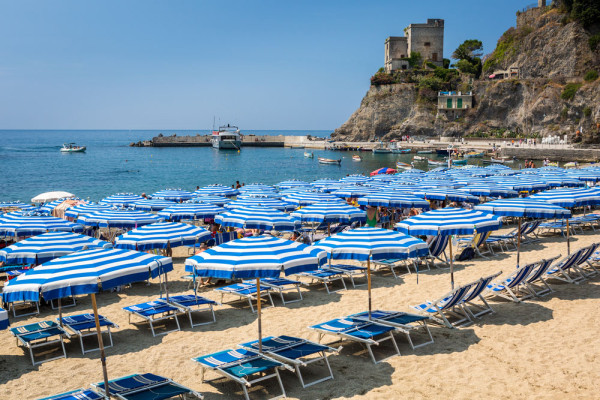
x: 570, y: 260
x: 525, y: 227
x: 438, y: 245
x: 479, y: 286
x: 480, y: 239
x: 454, y: 297
x: 519, y: 275
x: 544, y: 265
x: 533, y: 225
x: 585, y: 255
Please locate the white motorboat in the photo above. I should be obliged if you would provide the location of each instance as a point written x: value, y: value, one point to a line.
x: 329, y: 161
x: 308, y: 155
x: 227, y: 138
x: 71, y: 148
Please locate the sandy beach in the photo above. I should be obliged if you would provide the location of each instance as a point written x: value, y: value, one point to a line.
x: 543, y: 348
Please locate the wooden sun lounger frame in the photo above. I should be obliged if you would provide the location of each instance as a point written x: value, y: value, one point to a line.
x: 246, y: 383
x: 297, y: 363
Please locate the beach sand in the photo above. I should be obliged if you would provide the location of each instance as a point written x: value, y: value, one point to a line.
x: 543, y: 348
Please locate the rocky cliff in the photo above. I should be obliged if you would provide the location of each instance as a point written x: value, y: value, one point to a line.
x: 549, y: 98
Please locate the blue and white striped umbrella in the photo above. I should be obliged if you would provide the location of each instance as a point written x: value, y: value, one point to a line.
x: 263, y: 202
x: 442, y: 194
x: 15, y: 204
x: 587, y: 175
x: 48, y: 246
x: 216, y: 200
x: 292, y: 183
x: 308, y: 198
x: 488, y: 190
x: 524, y: 207
x: 261, y: 194
x: 173, y: 195
x: 324, y: 182
x: 121, y: 199
x: 119, y: 219
x: 330, y: 212
x: 3, y: 319
x: 28, y: 224
x: 152, y: 204
x: 560, y: 180
x: 85, y: 272
x: 358, y: 244
x: 569, y: 197
x: 48, y: 207
x: 449, y: 221
x: 256, y: 187
x: 161, y: 236
x: 355, y: 179
x: 258, y: 218
x: 177, y: 212
x: 255, y: 257
x: 353, y: 191
x: 216, y: 190
x: 85, y: 209
x: 393, y: 200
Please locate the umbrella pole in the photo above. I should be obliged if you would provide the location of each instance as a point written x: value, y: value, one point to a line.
x: 258, y: 310
x: 451, y: 264
x: 568, y: 239
x: 101, y: 345
x: 519, y: 242
x: 329, y: 229
x: 369, y: 281
x: 60, y: 312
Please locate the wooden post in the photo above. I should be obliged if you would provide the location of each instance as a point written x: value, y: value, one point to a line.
x: 101, y: 345
x: 369, y: 281
x: 519, y: 242
x: 60, y: 321
x: 568, y: 239
x: 258, y: 310
x: 328, y: 229
x: 451, y: 264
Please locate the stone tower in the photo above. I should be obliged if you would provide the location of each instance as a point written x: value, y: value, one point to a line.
x: 426, y: 39
x: 541, y: 3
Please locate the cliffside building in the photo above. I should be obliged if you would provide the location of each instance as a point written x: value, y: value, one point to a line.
x: 454, y: 103
x: 426, y: 39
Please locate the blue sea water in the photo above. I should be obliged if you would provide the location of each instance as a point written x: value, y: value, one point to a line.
x: 31, y: 163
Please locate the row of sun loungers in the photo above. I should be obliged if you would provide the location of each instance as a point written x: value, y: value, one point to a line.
x: 132, y: 387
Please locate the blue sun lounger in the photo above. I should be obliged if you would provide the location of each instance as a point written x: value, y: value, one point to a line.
x: 403, y: 322
x: 367, y: 333
x: 350, y: 271
x: 84, y: 325
x: 193, y: 304
x: 40, y: 334
x: 512, y: 287
x: 246, y: 291
x: 479, y: 286
x: 243, y: 366
x: 145, y: 387
x: 295, y: 351
x: 155, y: 311
x: 448, y: 305
x: 79, y: 394
x: 537, y: 277
x: 326, y: 277
x: 281, y: 285
x: 564, y: 268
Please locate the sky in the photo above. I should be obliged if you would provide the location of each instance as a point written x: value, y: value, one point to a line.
x: 177, y: 64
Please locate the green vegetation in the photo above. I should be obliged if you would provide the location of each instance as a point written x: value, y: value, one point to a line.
x: 587, y: 12
x: 564, y: 113
x: 415, y: 60
x: 507, y: 46
x: 446, y: 62
x: 594, y: 41
x: 468, y: 55
x: 587, y: 111
x: 591, y: 76
x: 569, y: 91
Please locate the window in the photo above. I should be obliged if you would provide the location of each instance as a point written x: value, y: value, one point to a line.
x: 427, y: 44
x: 404, y: 66
x: 434, y: 57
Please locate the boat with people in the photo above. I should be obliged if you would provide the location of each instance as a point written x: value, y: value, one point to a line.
x: 433, y: 162
x: 356, y: 158
x: 72, y: 148
x: 329, y: 161
x: 227, y: 138
x: 308, y: 155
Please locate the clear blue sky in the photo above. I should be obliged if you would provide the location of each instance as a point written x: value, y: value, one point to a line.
x: 174, y: 64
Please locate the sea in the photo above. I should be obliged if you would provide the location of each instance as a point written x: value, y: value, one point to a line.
x: 32, y: 163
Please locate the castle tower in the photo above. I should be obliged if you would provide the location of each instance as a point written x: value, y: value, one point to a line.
x: 541, y: 3
x: 427, y: 39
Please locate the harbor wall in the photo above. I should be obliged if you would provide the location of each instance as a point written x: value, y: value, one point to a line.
x: 553, y: 154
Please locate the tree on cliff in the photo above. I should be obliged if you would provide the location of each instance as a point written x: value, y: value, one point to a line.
x: 468, y: 55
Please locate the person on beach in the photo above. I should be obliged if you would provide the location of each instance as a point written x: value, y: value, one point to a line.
x: 237, y: 184
x: 372, y: 216
x: 203, y: 247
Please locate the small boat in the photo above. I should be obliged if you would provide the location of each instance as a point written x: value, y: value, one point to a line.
x: 226, y: 138
x: 571, y: 164
x: 71, y: 148
x: 498, y: 160
x: 401, y: 151
x: 552, y: 164
x: 432, y: 162
x: 309, y: 155
x: 401, y: 165
x: 356, y: 158
x: 419, y: 158
x: 473, y: 154
x: 381, y: 151
x: 329, y: 161
x: 424, y: 152
x: 297, y: 146
x: 459, y: 162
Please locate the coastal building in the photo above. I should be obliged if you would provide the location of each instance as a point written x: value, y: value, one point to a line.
x: 426, y: 39
x: 453, y: 104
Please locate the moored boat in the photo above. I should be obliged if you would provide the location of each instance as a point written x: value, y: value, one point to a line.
x: 401, y: 165
x: 227, y: 138
x: 474, y: 154
x: 442, y: 152
x: 459, y: 162
x: 329, y: 161
x: 309, y: 155
x: 419, y: 158
x: 71, y: 148
x: 424, y: 152
x: 433, y: 162
x: 356, y: 158
x: 401, y: 151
